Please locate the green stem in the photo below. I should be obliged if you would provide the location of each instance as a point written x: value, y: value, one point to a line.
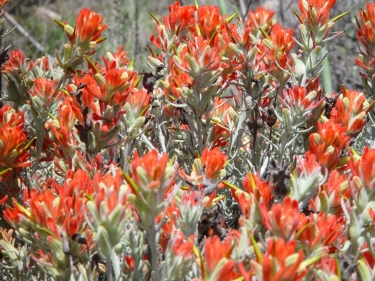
x: 39, y: 146
x: 199, y: 136
x: 152, y: 242
x: 125, y: 153
x: 109, y: 269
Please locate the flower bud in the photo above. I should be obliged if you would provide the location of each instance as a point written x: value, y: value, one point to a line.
x: 69, y: 29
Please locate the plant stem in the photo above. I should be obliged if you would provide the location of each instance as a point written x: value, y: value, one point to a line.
x: 109, y: 270
x: 152, y: 243
x: 198, y: 120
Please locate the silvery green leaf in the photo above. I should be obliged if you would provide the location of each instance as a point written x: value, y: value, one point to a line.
x: 300, y: 69
x: 363, y: 271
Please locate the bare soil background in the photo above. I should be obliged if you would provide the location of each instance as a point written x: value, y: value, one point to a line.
x: 130, y: 25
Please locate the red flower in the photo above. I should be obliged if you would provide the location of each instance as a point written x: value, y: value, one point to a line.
x: 209, y: 20
x: 316, y: 12
x: 320, y: 230
x: 274, y: 262
x: 17, y: 66
x: 116, y: 60
x: 220, y: 117
x: 53, y: 215
x: 366, y: 253
x: 116, y: 80
x: 363, y: 168
x: 366, y: 35
x: 59, y: 216
x: 70, y: 106
x: 89, y: 27
x: 8, y: 116
x: 219, y: 136
x: 303, y: 103
x: 366, y: 29
x: 282, y: 220
x: 328, y: 142
x: 260, y: 19
x: 181, y: 246
x: 172, y: 217
x: 307, y: 165
x: 214, y: 161
x: 44, y: 94
x: 139, y: 101
x: 154, y: 168
x: 180, y: 19
x: 13, y: 216
x: 13, y: 155
x: 109, y: 189
x: 217, y: 253
x: 177, y: 81
x: 43, y: 88
x: 351, y: 111
x: 298, y: 97
x: 279, y: 44
x: 203, y: 57
x: 43, y: 64
x: 282, y: 40
x: 63, y: 141
x: 176, y: 26
x: 255, y: 191
x: 260, y: 188
x: 336, y: 188
x: 113, y: 88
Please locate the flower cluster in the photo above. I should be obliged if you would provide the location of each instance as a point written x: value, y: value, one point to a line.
x: 225, y: 161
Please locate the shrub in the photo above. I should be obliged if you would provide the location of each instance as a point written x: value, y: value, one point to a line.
x: 227, y: 162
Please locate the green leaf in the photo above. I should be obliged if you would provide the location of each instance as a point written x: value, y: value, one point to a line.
x: 300, y: 68
x: 154, y: 17
x: 60, y: 23
x: 265, y: 35
x: 130, y: 181
x: 324, y: 202
x: 5, y: 171
x: 306, y: 263
x: 104, y: 245
x: 194, y: 66
x: 228, y: 19
x: 230, y: 185
x: 92, y: 209
x: 256, y: 249
x: 44, y: 230
x: 92, y: 64
x: 363, y: 271
x: 362, y: 199
x: 340, y: 16
x: 354, y: 231
x: 298, y: 16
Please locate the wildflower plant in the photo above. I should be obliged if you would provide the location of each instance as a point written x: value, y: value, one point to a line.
x: 225, y: 160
